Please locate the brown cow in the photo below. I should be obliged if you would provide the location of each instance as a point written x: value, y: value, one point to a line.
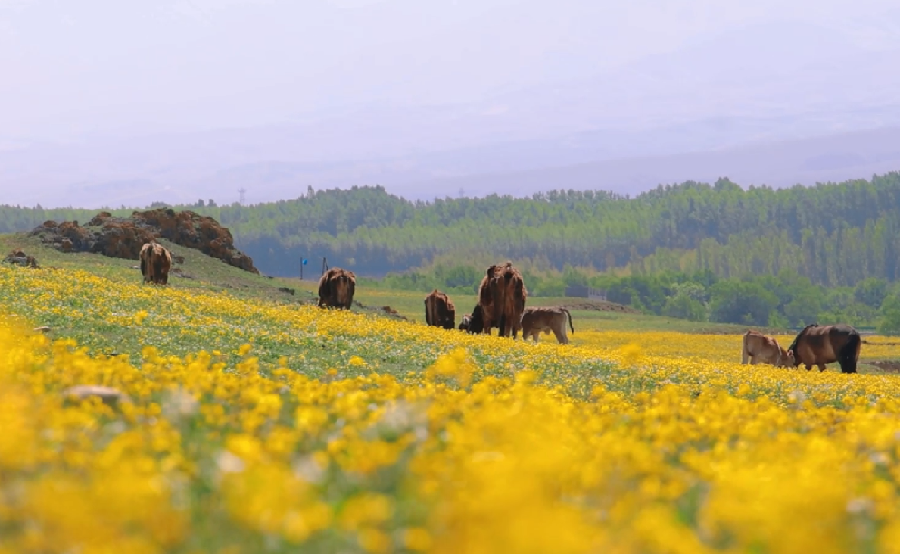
x: 439, y: 310
x: 146, y: 266
x: 546, y: 319
x: 760, y: 348
x: 817, y: 345
x: 502, y: 296
x: 156, y: 261
x: 336, y: 288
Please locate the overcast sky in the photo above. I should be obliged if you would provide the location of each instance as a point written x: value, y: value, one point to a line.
x: 71, y: 68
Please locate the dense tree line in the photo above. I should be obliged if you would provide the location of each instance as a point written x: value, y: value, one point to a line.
x: 693, y: 250
x: 833, y: 234
x: 785, y: 299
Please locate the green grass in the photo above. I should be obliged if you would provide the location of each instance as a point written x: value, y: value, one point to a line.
x: 411, y: 304
x: 198, y: 272
x: 203, y: 273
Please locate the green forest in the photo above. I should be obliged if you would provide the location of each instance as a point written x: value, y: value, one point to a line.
x: 679, y: 249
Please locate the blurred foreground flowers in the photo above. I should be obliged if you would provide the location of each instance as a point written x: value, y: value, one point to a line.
x: 207, y: 460
x: 422, y: 440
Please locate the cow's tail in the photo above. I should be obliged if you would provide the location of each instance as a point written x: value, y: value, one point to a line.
x: 745, y: 351
x: 849, y: 354
x: 569, y: 315
x: 144, y: 267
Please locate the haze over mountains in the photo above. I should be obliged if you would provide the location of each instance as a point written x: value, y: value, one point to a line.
x: 189, y: 100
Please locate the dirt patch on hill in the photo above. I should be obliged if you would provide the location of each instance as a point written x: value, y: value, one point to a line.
x: 122, y: 237
x: 382, y: 310
x: 887, y: 366
x: 599, y: 306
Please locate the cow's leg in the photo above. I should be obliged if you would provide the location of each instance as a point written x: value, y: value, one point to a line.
x: 753, y: 360
x: 560, y: 337
x: 808, y: 367
x: 821, y: 367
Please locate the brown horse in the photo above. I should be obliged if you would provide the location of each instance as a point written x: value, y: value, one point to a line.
x: 817, y: 345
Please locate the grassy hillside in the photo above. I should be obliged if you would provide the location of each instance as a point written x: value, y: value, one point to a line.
x: 254, y: 422
x: 202, y: 273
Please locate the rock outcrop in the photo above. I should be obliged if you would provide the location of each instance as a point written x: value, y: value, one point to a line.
x: 19, y: 257
x: 122, y: 237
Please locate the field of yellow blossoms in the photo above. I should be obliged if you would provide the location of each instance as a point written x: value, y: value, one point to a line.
x: 251, y: 427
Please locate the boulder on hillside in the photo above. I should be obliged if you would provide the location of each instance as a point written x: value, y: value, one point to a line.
x: 193, y: 230
x: 19, y: 257
x: 116, y: 239
x: 122, y: 237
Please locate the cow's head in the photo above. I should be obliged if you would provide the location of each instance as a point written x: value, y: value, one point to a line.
x: 787, y: 358
x: 476, y: 320
x: 464, y: 324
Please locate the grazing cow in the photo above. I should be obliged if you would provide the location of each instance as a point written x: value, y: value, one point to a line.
x: 465, y: 322
x: 155, y: 263
x: 817, y: 345
x: 502, y: 296
x: 546, y: 319
x: 439, y: 310
x: 473, y: 323
x: 760, y: 348
x: 336, y: 288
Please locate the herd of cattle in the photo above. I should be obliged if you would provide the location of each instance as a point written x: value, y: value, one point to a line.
x: 816, y: 345
x: 501, y: 304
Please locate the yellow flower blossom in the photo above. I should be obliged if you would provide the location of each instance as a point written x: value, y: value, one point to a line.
x: 348, y: 432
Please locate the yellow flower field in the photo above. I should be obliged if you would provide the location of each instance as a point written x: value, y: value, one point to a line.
x: 251, y: 427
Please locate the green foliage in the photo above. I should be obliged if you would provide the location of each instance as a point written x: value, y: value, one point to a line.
x: 833, y: 234
x: 741, y: 302
x: 800, y: 244
x: 890, y: 316
x: 871, y: 291
x: 683, y: 306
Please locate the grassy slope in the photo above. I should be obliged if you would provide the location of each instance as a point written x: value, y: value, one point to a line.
x: 101, y: 310
x: 411, y: 305
x: 211, y: 275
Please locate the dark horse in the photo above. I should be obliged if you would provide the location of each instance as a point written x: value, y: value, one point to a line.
x: 817, y: 345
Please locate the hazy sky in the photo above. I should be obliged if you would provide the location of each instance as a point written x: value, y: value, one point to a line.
x: 71, y: 68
